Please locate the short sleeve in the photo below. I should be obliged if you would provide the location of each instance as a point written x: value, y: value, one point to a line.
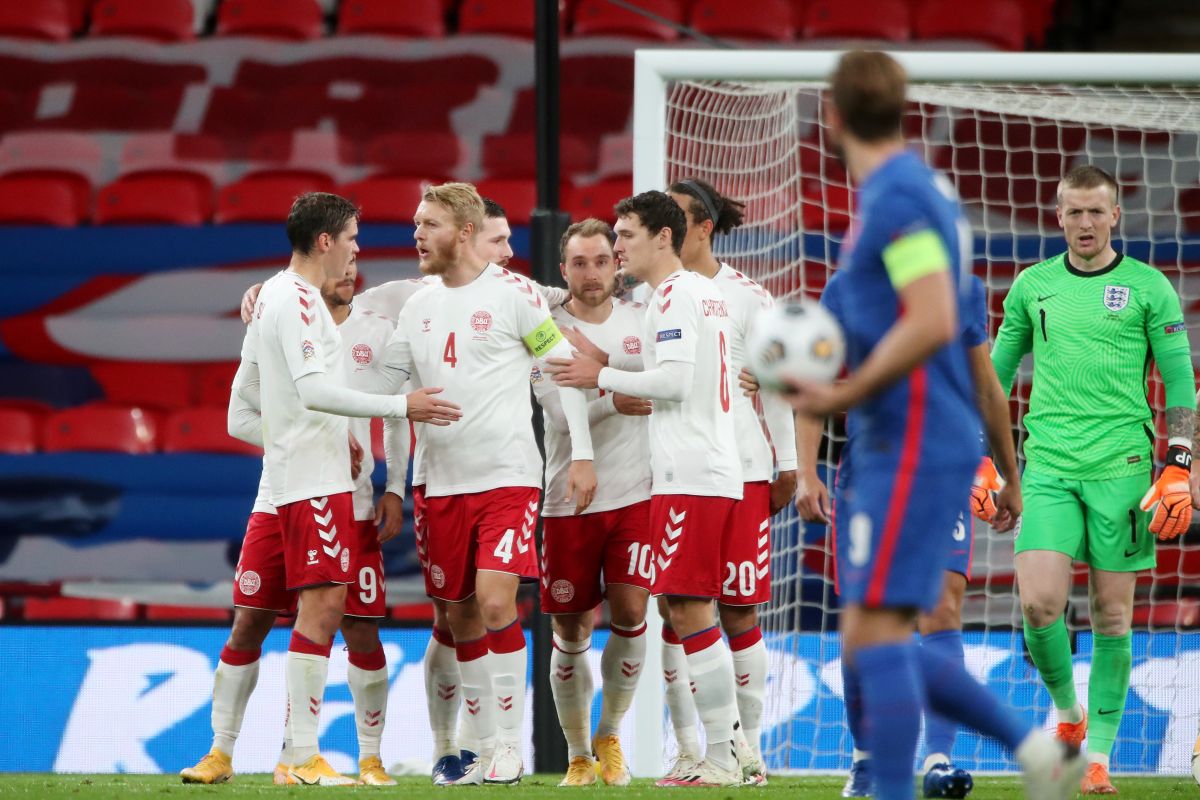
x: 676, y: 329
x: 831, y: 297
x: 913, y: 247
x: 974, y: 321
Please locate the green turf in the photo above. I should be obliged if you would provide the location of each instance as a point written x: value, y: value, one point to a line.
x: 51, y: 787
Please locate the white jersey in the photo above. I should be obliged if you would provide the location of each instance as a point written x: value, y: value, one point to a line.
x: 365, y: 335
x: 293, y: 335
x: 475, y: 342
x: 693, y: 448
x: 620, y: 443
x: 387, y: 299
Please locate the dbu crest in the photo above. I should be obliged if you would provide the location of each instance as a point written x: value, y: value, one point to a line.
x: 1116, y: 297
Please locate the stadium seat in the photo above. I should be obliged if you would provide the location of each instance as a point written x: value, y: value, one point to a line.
x: 79, y: 608
x: 48, y: 20
x: 157, y: 197
x: 517, y: 196
x: 498, y: 17
x: 292, y: 20
x: 160, y: 20
x: 267, y: 196
x: 999, y: 23
x: 61, y: 151
x: 596, y: 199
x: 141, y: 383
x: 764, y: 20
x: 41, y: 199
x: 202, y: 430
x: 514, y: 155
x: 587, y: 113
x: 602, y: 18
x: 111, y: 429
x: 215, y: 381
x: 161, y: 613
x: 103, y: 106
x: 432, y: 154
x: 888, y: 20
x: 386, y: 198
x: 18, y: 431
x: 423, y: 18
x: 163, y: 151
x: 298, y: 148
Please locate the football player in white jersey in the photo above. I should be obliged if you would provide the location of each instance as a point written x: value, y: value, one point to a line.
x: 478, y: 333
x: 604, y: 553
x: 293, y: 370
x: 697, y: 475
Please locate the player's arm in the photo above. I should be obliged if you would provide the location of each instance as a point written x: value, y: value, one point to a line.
x: 584, y: 345
x: 812, y: 498
x: 389, y: 513
x: 244, y: 419
x: 1014, y: 339
x: 992, y: 401
x: 781, y: 427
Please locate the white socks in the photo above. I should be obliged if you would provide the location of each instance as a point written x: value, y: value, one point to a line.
x: 306, y: 676
x: 571, y: 684
x: 750, y: 676
x: 368, y: 678
x: 679, y: 694
x: 711, y: 670
x: 620, y: 668
x: 233, y: 682
x: 478, y: 698
x: 509, y: 660
x: 443, y: 693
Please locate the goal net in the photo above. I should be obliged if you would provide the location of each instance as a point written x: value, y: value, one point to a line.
x: 755, y: 129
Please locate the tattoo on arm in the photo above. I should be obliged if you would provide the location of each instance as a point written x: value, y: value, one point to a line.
x: 1195, y: 439
x: 1181, y: 423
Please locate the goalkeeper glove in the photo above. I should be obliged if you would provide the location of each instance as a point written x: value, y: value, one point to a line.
x: 1170, y: 498
x: 983, y: 491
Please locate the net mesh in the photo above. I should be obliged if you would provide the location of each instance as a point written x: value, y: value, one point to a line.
x: 1004, y: 146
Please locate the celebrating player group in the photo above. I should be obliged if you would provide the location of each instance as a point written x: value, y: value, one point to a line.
x: 661, y: 477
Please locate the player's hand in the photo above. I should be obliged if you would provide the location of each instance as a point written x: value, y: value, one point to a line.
x: 632, y: 406
x: 816, y: 399
x: 812, y: 498
x: 983, y: 491
x: 356, y: 458
x: 583, y: 344
x: 1169, y: 502
x: 748, y: 382
x: 580, y: 372
x: 1008, y: 507
x: 248, y: 301
x: 1195, y: 485
x: 783, y: 489
x: 424, y: 407
x: 581, y: 484
x: 389, y: 516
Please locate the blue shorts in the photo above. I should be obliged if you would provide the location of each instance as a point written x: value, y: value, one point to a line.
x: 889, y: 553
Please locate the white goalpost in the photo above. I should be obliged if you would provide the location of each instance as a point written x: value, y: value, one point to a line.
x: 1004, y: 127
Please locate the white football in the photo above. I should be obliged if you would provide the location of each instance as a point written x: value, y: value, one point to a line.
x: 796, y: 341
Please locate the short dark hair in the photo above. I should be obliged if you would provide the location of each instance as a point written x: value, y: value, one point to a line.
x: 1086, y: 176
x: 656, y: 210
x: 706, y: 201
x: 586, y: 228
x: 492, y: 209
x: 869, y: 91
x: 314, y: 213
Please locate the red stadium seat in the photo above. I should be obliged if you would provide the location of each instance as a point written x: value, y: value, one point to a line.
x: 160, y: 20
x: 423, y: 18
x: 517, y: 196
x: 602, y: 18
x: 514, y: 155
x: 141, y: 383
x: 60, y: 151
x: 300, y: 147
x: 48, y: 20
x: 79, y: 608
x: 766, y: 20
x: 889, y: 20
x: 596, y: 199
x: 999, y: 23
x: 146, y: 152
x: 292, y: 20
x: 498, y: 16
x: 161, y: 613
x: 588, y: 113
x: 216, y: 381
x: 202, y: 430
x: 386, y: 198
x: 267, y: 196
x: 18, y: 431
x: 41, y: 199
x: 111, y: 429
x: 435, y: 154
x: 167, y: 197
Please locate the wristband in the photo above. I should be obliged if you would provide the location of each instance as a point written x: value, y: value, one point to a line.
x: 1179, y: 456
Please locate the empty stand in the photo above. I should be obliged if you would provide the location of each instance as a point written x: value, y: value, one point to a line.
x: 386, y: 199
x: 160, y: 20
x: 518, y: 197
x: 47, y: 20
x: 764, y: 20
x: 430, y: 154
x: 65, y: 151
x: 202, y: 430
x: 18, y: 431
x: 140, y: 383
x: 498, y: 17
x: 161, y: 613
x: 292, y: 20
x: 175, y: 197
x: 596, y: 199
x: 79, y: 608
x: 215, y: 382
x: 113, y: 429
x: 998, y: 23
x: 888, y: 20
x: 514, y: 155
x: 267, y: 196
x: 144, y: 152
x: 601, y: 18
x: 588, y: 113
x: 41, y: 199
x: 423, y: 18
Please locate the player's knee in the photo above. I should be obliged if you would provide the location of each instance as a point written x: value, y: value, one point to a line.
x: 573, y: 627
x: 628, y: 612
x: 1039, y: 612
x: 497, y: 612
x: 250, y: 628
x: 441, y: 618
x: 1111, y: 618
x: 736, y: 620
x: 361, y: 635
x: 945, y: 616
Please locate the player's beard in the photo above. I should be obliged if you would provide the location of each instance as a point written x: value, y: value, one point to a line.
x: 440, y: 259
x: 594, y: 296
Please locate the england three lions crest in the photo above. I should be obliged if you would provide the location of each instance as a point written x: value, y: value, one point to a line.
x: 1116, y: 297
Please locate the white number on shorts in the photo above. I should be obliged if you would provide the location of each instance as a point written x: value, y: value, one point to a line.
x: 504, y: 549
x: 960, y: 529
x: 641, y: 560
x: 743, y: 575
x: 367, y: 587
x: 860, y: 539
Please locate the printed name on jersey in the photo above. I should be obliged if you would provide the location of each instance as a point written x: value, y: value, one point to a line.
x: 361, y: 353
x: 1116, y: 297
x: 672, y: 335
x: 632, y: 345
x: 1178, y: 327
x: 715, y: 308
x: 310, y: 352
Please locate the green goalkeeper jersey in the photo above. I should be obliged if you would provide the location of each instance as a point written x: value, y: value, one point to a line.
x: 1092, y: 336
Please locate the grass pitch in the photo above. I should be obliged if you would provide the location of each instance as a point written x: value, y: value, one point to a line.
x: 534, y: 787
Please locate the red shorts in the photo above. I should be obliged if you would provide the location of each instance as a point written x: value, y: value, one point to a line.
x: 746, y: 554
x: 261, y: 580
x: 692, y: 531
x: 581, y: 555
x: 464, y: 533
x: 319, y: 536
x: 366, y: 596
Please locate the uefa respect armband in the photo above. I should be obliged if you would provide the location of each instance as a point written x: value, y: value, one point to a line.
x: 542, y: 339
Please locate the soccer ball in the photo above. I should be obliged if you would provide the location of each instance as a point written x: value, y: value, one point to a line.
x: 795, y: 341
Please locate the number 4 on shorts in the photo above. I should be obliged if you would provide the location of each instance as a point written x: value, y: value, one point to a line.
x: 504, y: 549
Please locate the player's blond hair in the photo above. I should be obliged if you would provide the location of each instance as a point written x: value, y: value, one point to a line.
x: 585, y: 229
x: 1086, y: 176
x: 460, y: 199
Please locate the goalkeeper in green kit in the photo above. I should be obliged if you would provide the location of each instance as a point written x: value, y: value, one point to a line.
x: 1093, y: 318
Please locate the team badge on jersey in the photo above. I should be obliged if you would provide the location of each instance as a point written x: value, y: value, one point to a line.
x: 632, y: 345
x: 249, y: 582
x: 362, y: 354
x: 1116, y: 297
x: 481, y: 321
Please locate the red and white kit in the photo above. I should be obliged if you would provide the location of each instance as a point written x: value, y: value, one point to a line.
x: 693, y: 449
x: 610, y: 542
x: 483, y: 473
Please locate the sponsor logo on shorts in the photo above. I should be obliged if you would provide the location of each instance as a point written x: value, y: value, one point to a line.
x: 1116, y: 297
x: 673, y: 334
x: 562, y: 590
x: 345, y: 559
x: 308, y: 350
x: 437, y: 576
x: 632, y: 345
x: 312, y: 557
x: 481, y: 321
x: 249, y: 582
x: 426, y: 327
x: 361, y: 353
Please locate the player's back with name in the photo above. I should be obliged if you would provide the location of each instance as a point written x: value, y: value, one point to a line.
x: 293, y: 335
x: 693, y: 446
x: 474, y: 342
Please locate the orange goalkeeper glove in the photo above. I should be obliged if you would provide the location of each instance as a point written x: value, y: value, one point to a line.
x: 1170, y: 498
x: 983, y: 491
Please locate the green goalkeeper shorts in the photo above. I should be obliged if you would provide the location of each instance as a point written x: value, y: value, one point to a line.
x: 1097, y: 522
